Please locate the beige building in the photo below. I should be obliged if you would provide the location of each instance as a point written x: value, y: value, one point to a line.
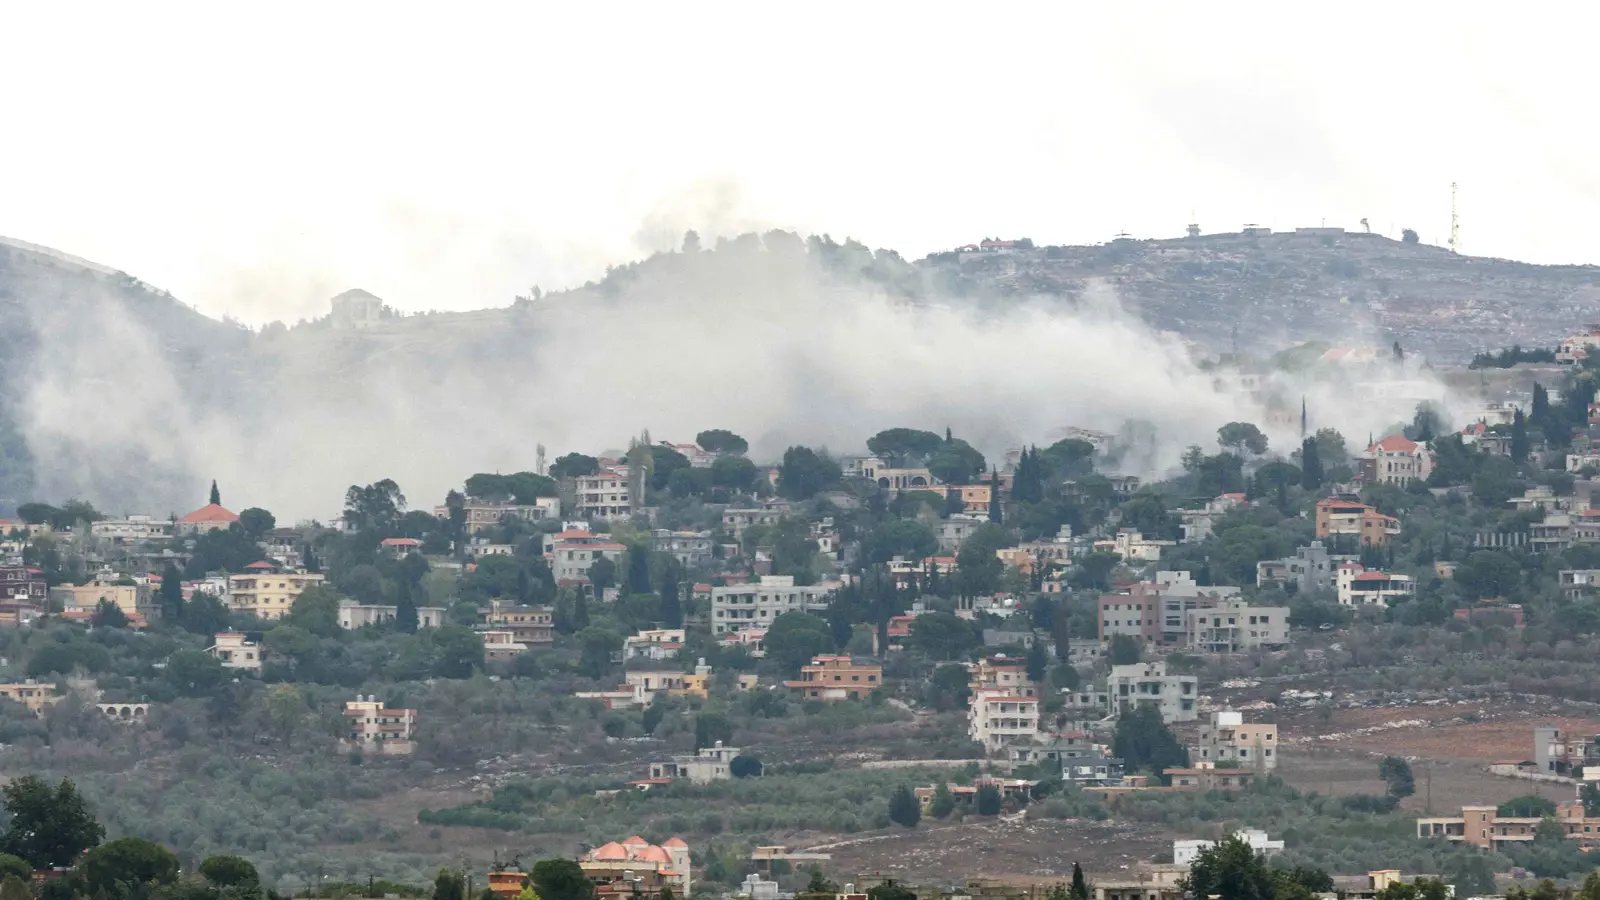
x: 736, y: 607
x: 373, y: 728
x: 708, y: 764
x: 532, y: 626
x: 500, y: 645
x: 1236, y: 627
x: 236, y: 652
x: 837, y: 678
x: 1226, y: 740
x: 268, y: 595
x: 998, y: 719
x: 36, y: 696
x: 133, y: 599
x: 605, y: 495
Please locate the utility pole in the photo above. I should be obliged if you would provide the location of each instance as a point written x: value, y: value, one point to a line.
x: 1427, y: 780
x: 1455, y: 222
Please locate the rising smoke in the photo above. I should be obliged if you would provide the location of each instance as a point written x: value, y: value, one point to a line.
x: 778, y: 344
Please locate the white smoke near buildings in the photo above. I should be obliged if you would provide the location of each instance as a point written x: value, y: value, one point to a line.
x: 765, y: 342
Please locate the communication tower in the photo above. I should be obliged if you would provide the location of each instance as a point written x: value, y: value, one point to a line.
x: 1455, y: 222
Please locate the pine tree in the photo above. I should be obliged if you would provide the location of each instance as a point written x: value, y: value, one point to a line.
x: 216, y: 496
x: 996, y: 515
x: 1540, y: 414
x: 1310, y: 465
x: 904, y: 808
x: 1519, y: 438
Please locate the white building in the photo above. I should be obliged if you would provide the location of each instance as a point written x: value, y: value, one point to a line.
x: 709, y: 764
x: 1234, y: 627
x: 573, y: 552
x: 376, y: 729
x: 998, y: 719
x: 133, y: 529
x: 1370, y: 587
x: 736, y: 607
x: 235, y: 652
x: 1147, y: 684
x: 1184, y: 853
x: 353, y: 615
x: 656, y: 644
x: 735, y: 521
x: 1227, y: 741
x: 604, y: 495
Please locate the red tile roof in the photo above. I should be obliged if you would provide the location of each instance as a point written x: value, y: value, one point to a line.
x: 1396, y: 443
x: 211, y: 512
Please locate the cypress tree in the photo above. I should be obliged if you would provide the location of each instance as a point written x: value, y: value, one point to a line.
x: 1080, y: 885
x: 1519, y: 438
x: 1541, y: 406
x: 996, y: 514
x: 671, y: 608
x: 171, y: 593
x: 216, y: 496
x: 1310, y: 465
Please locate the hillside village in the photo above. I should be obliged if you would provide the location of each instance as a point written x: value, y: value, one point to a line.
x: 749, y: 662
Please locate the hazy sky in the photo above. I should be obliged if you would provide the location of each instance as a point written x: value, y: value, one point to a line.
x: 448, y: 156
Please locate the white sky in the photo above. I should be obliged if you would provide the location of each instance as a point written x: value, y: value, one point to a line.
x: 446, y: 156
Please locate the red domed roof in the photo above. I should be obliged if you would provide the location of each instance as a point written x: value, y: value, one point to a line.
x: 612, y: 850
x: 675, y: 843
x: 636, y: 841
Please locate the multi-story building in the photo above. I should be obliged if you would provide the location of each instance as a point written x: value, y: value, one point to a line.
x: 1157, y: 612
x: 20, y: 584
x: 268, y: 595
x: 1559, y: 754
x: 1370, y: 587
x: 707, y: 764
x: 1184, y: 853
x: 236, y: 651
x: 373, y: 728
x: 735, y: 521
x: 1003, y: 673
x: 353, y: 615
x: 500, y: 645
x: 132, y: 529
x: 573, y: 552
x: 1338, y: 517
x: 1226, y: 740
x: 736, y: 607
x: 655, y: 643
x: 1208, y: 777
x: 1396, y: 460
x: 1148, y: 684
x: 1309, y: 569
x: 836, y: 678
x: 532, y: 626
x: 691, y: 548
x: 1235, y: 627
x: 997, y: 719
x: 604, y: 495
x: 1482, y: 826
x: 954, y: 531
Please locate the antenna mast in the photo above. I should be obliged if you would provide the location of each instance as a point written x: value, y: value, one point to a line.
x: 1455, y: 222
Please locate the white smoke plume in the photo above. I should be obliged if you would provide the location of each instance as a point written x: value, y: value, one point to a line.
x: 767, y: 342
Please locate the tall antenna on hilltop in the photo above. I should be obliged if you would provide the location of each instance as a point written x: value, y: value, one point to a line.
x: 1455, y: 222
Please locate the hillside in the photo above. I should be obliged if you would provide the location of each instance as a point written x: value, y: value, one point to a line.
x: 121, y: 377
x: 1283, y: 288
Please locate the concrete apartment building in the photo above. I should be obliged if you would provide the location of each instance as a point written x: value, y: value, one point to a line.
x: 690, y: 548
x: 654, y: 643
x: 1351, y: 519
x: 37, y: 696
x: 268, y: 595
x: 353, y: 615
x: 1578, y: 583
x: 736, y: 607
x: 20, y: 584
x: 532, y: 626
x: 373, y: 728
x: 236, y: 652
x: 836, y: 678
x: 500, y: 645
x: 1555, y: 753
x: 735, y: 521
x: 1148, y: 684
x: 1226, y: 740
x: 1235, y: 627
x: 1309, y: 569
x: 1156, y: 612
x: 135, y: 600
x: 604, y: 495
x: 1002, y: 673
x: 133, y: 529
x: 998, y: 719
x: 573, y: 552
